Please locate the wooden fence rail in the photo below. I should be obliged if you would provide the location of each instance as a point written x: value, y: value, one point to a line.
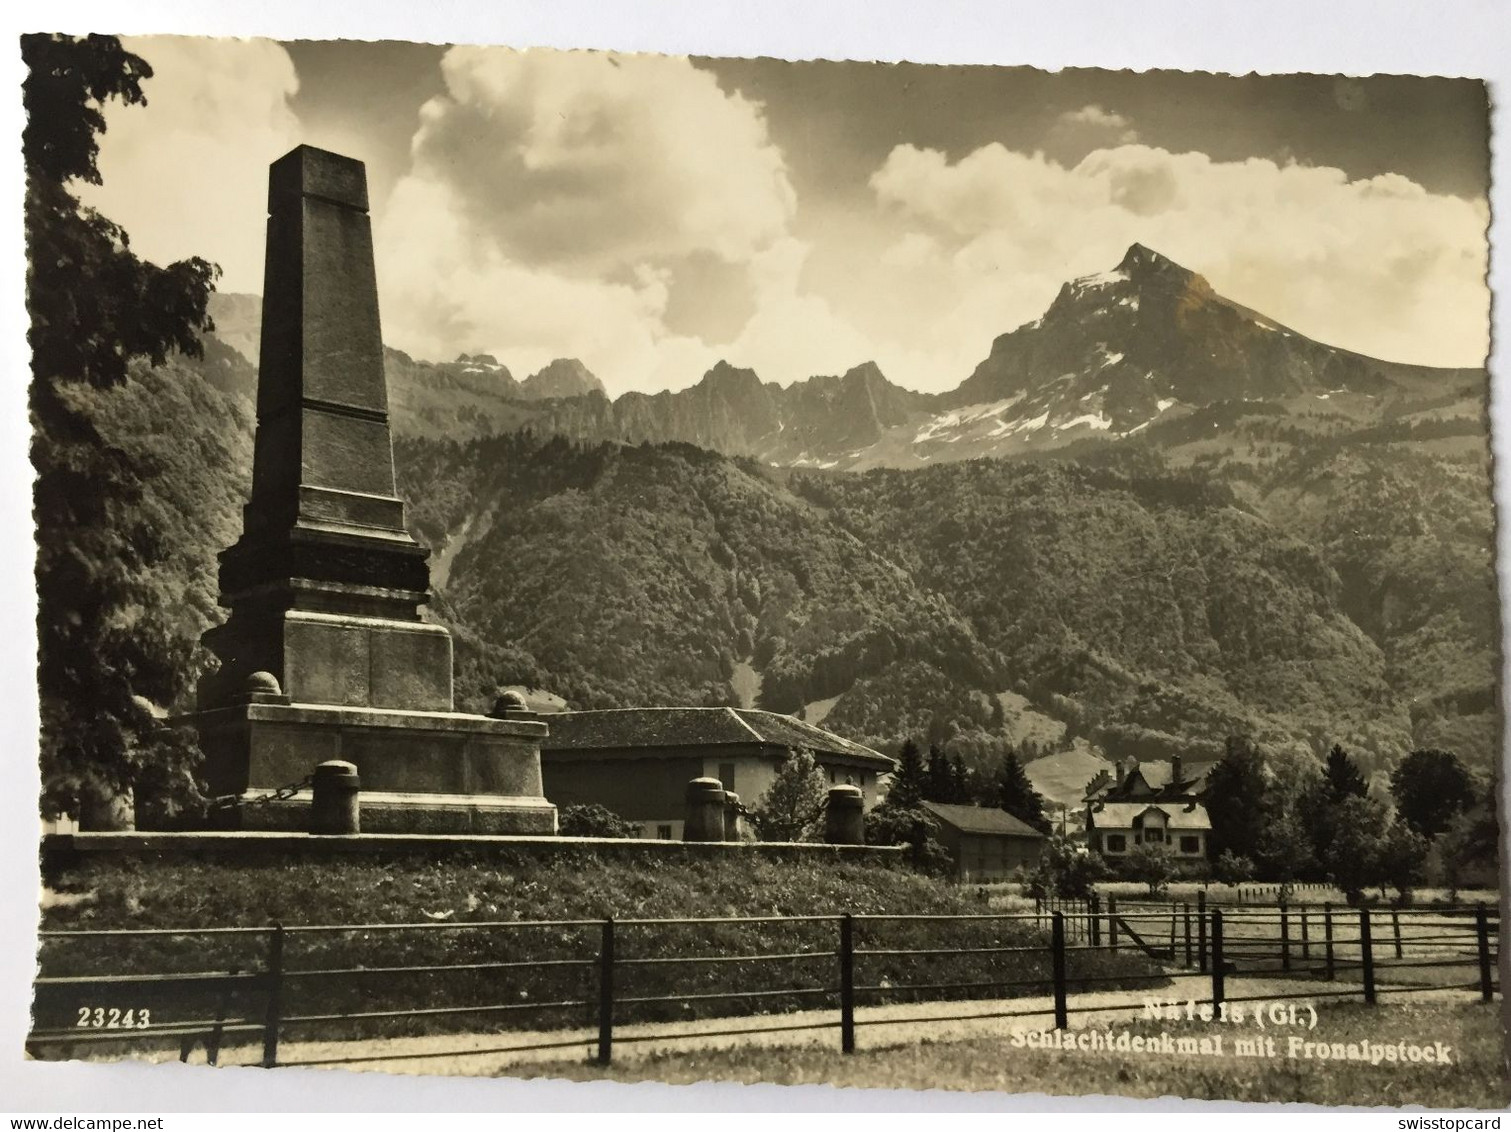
x: 1230, y: 946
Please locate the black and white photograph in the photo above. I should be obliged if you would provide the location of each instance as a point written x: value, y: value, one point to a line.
x: 622, y: 566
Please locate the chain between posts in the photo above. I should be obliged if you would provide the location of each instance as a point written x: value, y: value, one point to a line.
x: 282, y: 794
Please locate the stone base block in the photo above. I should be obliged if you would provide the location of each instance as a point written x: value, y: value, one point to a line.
x: 421, y: 772
x: 333, y: 658
x: 418, y: 813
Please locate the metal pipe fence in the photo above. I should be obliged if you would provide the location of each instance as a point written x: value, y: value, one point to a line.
x: 601, y: 981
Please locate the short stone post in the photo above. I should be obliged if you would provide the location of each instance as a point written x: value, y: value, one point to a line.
x: 732, y: 822
x: 336, y: 807
x: 844, y: 816
x: 704, y: 820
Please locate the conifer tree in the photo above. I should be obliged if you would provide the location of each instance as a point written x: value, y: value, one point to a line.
x: 960, y: 781
x: 910, y: 780
x: 1016, y: 794
x: 938, y: 785
x: 1342, y: 777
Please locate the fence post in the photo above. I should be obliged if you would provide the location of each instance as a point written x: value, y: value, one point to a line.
x: 606, y: 994
x: 1482, y: 931
x: 847, y: 982
x: 1306, y: 940
x: 1185, y: 916
x: 217, y: 1035
x: 1285, y: 937
x: 275, y: 998
x: 1217, y: 961
x: 1201, y: 930
x: 1094, y: 912
x: 1112, y: 922
x: 1327, y: 933
x: 1395, y: 924
x: 1367, y: 954
x: 1057, y: 941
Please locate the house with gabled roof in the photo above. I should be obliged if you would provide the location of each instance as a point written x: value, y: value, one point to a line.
x: 637, y: 762
x: 1150, y: 803
x: 984, y: 842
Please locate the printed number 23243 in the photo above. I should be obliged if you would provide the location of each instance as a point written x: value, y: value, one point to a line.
x: 112, y: 1018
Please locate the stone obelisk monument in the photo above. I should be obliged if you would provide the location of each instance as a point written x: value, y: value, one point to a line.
x: 325, y: 655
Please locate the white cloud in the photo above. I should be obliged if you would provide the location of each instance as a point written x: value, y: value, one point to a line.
x: 187, y: 174
x: 551, y: 194
x: 1380, y: 265
x: 1076, y: 133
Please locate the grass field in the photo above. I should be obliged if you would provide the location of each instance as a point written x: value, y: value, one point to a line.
x: 546, y: 974
x: 1477, y: 1079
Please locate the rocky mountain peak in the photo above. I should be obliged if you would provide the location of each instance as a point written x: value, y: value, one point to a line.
x: 724, y: 376
x: 564, y: 377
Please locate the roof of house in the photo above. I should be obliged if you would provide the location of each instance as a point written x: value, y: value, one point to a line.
x: 980, y: 819
x: 628, y: 728
x: 1156, y: 774
x: 1120, y: 815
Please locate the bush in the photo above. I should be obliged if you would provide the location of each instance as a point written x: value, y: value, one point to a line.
x: 792, y: 808
x: 593, y: 821
x: 1232, y: 868
x: 1151, y: 865
x: 1066, y: 870
x: 914, y: 827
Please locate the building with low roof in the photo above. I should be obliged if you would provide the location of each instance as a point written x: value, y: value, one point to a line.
x: 637, y: 762
x: 1152, y: 803
x: 985, y: 844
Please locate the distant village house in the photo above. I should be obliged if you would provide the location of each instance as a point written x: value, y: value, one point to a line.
x: 1151, y: 803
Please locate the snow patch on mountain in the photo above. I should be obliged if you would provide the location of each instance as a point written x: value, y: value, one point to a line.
x: 1091, y: 420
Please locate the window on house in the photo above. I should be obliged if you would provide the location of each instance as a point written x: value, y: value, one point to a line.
x: 1115, y: 842
x: 664, y: 832
x: 1154, y: 836
x: 727, y: 775
x: 1190, y: 844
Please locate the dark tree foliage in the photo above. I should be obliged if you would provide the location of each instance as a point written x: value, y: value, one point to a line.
x: 1354, y: 859
x: 914, y: 827
x: 105, y: 654
x: 1285, y: 852
x: 1403, y: 859
x: 1231, y: 869
x: 1235, y: 800
x: 910, y: 781
x: 1016, y: 794
x: 1470, y: 845
x: 1341, y: 776
x: 1431, y: 788
x: 792, y: 808
x: 593, y: 821
x: 1066, y: 871
x: 938, y: 785
x: 960, y: 781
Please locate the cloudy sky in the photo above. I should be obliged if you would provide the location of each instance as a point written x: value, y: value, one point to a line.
x: 652, y: 215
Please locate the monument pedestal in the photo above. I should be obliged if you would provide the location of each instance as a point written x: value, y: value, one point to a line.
x: 421, y: 771
x: 325, y: 655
